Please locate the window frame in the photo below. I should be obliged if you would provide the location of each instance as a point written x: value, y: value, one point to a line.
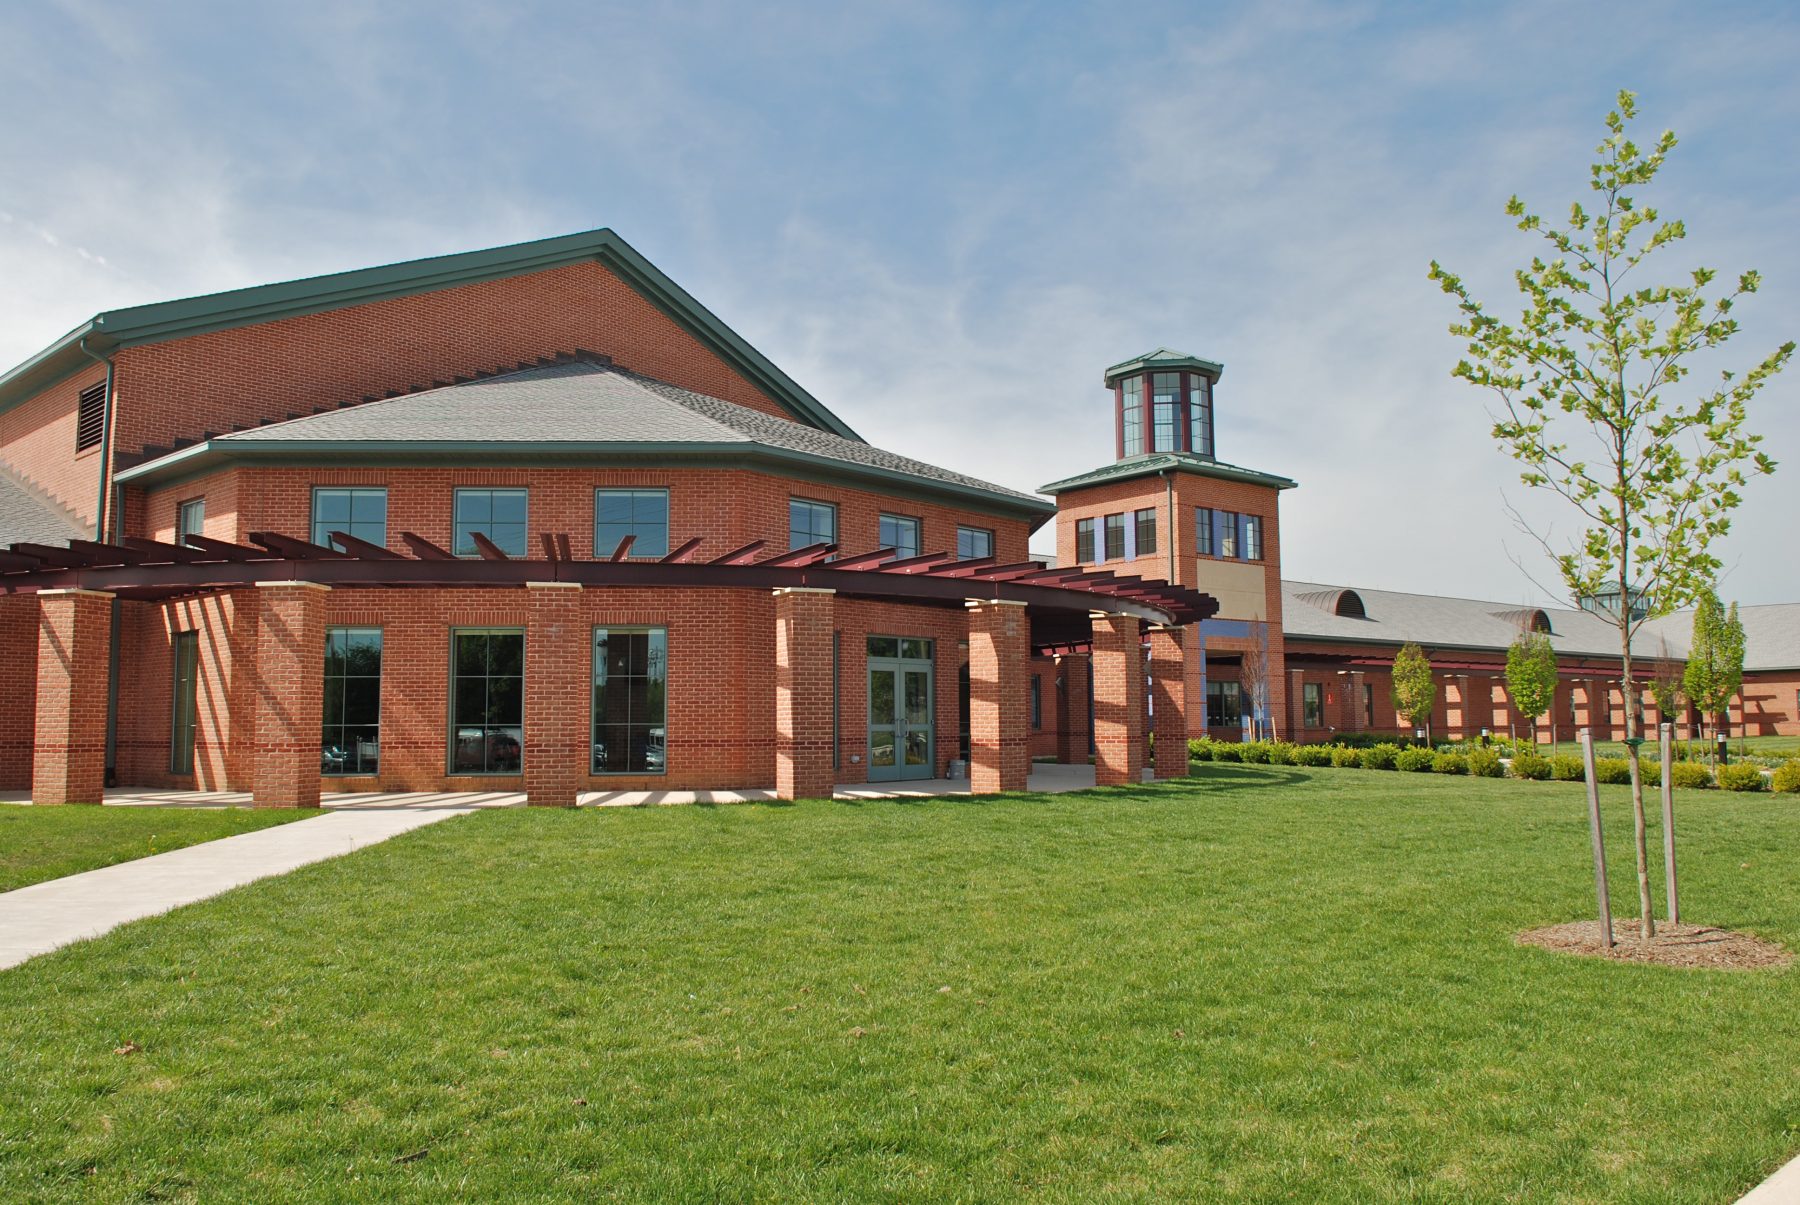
x: 1115, y: 522
x: 828, y: 507
x: 1085, y: 533
x: 1203, y: 531
x: 1143, y: 523
x: 883, y: 518
x: 182, y: 510
x: 1164, y: 410
x: 1200, y: 417
x: 986, y: 534
x: 606, y: 548
x: 343, y: 725
x: 1132, y: 427
x: 594, y: 687
x: 1036, y: 701
x: 456, y: 496
x: 1224, y: 688
x: 1312, y: 705
x: 450, y: 770
x: 1250, y: 537
x: 313, y: 532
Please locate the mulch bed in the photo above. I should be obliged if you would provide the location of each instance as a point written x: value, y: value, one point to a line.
x: 1697, y: 946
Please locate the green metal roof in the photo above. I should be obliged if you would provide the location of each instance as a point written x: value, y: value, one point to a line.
x: 1159, y: 462
x: 153, y: 323
x: 1164, y: 360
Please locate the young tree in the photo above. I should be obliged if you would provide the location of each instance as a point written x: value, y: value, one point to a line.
x: 1415, y: 691
x: 1665, y: 682
x: 1592, y: 403
x: 1254, y: 673
x: 1531, y: 675
x: 1715, y: 667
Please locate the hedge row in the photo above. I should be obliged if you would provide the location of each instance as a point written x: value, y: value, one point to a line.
x: 1486, y: 763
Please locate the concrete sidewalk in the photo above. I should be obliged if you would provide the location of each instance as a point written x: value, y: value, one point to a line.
x: 47, y: 916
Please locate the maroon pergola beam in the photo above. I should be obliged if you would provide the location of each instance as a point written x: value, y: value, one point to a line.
x: 149, y: 570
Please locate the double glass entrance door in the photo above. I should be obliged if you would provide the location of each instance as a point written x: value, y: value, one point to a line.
x: 900, y: 708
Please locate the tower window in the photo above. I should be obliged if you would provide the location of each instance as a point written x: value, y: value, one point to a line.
x: 1165, y: 412
x: 1200, y: 428
x: 1131, y: 416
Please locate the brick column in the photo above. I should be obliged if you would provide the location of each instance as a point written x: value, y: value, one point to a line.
x: 803, y: 625
x: 999, y: 652
x: 290, y: 693
x: 1074, y: 681
x: 1193, y: 644
x: 68, y: 759
x: 558, y: 679
x: 1169, y: 700
x: 1118, y: 700
x: 1359, y: 718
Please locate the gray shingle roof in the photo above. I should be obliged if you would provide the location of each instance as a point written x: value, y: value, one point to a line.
x: 595, y: 406
x: 1771, y: 632
x: 27, y: 515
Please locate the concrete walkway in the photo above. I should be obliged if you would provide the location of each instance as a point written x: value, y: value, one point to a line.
x: 47, y: 916
x: 1782, y: 1188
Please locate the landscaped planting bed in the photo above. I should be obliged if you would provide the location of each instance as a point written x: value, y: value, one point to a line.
x: 1267, y: 982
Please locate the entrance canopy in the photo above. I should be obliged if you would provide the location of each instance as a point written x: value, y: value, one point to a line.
x: 1060, y: 600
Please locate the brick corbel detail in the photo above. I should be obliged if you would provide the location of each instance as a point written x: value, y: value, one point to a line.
x: 1169, y: 700
x: 1074, y: 682
x: 558, y: 656
x: 804, y: 619
x: 290, y: 693
x: 68, y: 758
x: 999, y: 652
x: 1118, y: 700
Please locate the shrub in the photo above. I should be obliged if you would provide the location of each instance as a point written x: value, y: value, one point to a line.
x: 1449, y: 763
x: 1614, y: 770
x: 1281, y: 753
x: 1484, y: 763
x: 1414, y: 761
x: 1689, y: 775
x: 1741, y: 776
x: 1256, y: 752
x: 1651, y: 770
x: 1200, y: 749
x: 1227, y: 751
x: 1534, y: 766
x: 1566, y: 767
x: 1787, y: 777
x: 1380, y: 757
x: 1347, y: 759
x: 1366, y: 740
x: 1312, y: 755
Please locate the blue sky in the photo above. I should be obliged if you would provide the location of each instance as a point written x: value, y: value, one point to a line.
x: 946, y: 220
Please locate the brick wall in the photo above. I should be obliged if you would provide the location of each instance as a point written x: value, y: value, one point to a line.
x: 69, y: 762
x: 18, y: 671
x: 37, y: 441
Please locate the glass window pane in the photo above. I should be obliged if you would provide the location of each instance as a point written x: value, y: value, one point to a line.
x: 882, y: 704
x: 918, y: 697
x: 884, y: 646
x: 915, y: 648
x: 509, y: 506
x: 473, y: 506
x: 917, y: 746
x: 332, y: 506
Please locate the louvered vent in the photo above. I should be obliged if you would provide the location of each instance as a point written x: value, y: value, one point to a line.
x: 90, y: 416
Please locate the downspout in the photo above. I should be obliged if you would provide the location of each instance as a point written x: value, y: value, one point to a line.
x: 100, y: 517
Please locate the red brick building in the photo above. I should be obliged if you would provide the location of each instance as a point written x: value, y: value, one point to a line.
x: 532, y: 518
x: 526, y: 518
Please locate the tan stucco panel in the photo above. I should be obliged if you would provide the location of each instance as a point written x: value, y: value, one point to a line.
x: 1238, y: 585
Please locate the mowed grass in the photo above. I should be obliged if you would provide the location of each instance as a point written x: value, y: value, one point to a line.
x: 38, y: 843
x: 1264, y: 983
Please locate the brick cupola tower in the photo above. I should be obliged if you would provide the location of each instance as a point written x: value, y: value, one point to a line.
x: 1167, y: 507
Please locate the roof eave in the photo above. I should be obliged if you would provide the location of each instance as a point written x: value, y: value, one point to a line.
x: 1150, y: 467
x: 219, y: 452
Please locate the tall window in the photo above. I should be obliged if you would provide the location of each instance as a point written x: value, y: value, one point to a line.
x: 1115, y: 537
x: 811, y: 523
x: 1037, y: 701
x: 1145, y: 524
x: 1250, y: 527
x: 1225, y: 533
x: 631, y: 673
x: 1200, y: 429
x: 497, y: 514
x: 1368, y: 706
x: 190, y: 519
x: 1224, y: 705
x: 1084, y: 541
x: 1203, y: 530
x: 185, y: 713
x: 899, y: 533
x: 360, y: 514
x: 1131, y: 415
x: 1165, y: 412
x: 640, y: 514
x: 972, y: 542
x: 352, y: 740
x: 487, y: 701
x: 1312, y: 697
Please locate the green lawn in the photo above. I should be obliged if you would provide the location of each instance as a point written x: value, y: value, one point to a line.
x: 38, y: 843
x: 1266, y: 983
